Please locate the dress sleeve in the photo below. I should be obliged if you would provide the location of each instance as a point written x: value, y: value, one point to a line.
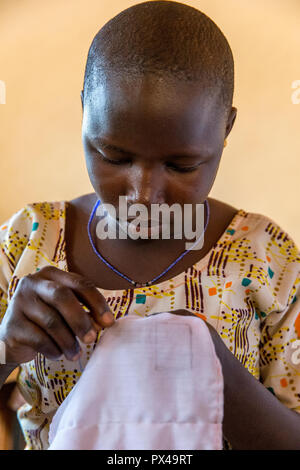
x: 3, y: 294
x: 14, y: 235
x: 280, y: 334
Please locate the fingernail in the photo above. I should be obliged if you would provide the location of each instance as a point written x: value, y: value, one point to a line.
x: 90, y: 337
x: 108, y: 317
x: 77, y: 356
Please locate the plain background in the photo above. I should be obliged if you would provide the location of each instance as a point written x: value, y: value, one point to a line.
x: 43, y: 49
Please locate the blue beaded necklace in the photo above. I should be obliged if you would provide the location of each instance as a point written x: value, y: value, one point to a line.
x: 134, y: 283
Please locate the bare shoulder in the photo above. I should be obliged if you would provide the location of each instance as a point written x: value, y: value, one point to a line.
x: 82, y: 203
x: 222, y: 210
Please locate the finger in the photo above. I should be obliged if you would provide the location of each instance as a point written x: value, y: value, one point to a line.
x: 86, y: 291
x: 49, y: 319
x: 27, y: 341
x: 66, y: 303
x: 90, y: 296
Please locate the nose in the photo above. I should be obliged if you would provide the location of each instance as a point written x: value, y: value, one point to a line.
x: 146, y: 186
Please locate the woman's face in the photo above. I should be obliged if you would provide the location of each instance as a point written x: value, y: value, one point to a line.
x: 153, y: 141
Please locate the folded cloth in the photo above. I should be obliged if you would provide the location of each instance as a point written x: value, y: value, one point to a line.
x: 151, y: 383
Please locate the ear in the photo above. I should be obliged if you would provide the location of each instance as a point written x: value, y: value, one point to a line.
x: 230, y: 121
x: 81, y: 96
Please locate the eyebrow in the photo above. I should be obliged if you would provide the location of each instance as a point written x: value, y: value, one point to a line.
x: 102, y: 143
x: 105, y: 145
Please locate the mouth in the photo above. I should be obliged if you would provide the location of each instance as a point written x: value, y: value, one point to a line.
x: 144, y: 224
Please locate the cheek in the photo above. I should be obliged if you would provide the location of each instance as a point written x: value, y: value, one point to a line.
x: 194, y: 188
x: 107, y: 182
x: 91, y: 165
x: 206, y: 177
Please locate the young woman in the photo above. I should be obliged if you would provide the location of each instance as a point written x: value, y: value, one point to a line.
x: 157, y: 109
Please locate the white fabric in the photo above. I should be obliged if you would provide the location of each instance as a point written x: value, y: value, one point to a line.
x: 151, y: 383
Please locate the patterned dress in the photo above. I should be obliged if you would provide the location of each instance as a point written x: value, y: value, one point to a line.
x: 247, y: 287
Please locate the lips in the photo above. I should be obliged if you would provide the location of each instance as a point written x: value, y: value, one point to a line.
x: 145, y: 223
x: 140, y: 221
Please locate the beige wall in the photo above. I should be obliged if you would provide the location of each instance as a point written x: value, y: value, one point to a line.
x: 43, y: 47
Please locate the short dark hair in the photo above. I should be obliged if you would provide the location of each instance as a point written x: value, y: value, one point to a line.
x: 167, y: 39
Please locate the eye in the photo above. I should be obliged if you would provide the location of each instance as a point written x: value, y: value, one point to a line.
x: 113, y: 162
x: 183, y: 169
x: 173, y: 167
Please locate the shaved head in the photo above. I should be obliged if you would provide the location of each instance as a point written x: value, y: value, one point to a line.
x: 167, y: 39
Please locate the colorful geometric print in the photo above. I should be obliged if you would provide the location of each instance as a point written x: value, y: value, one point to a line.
x: 247, y: 287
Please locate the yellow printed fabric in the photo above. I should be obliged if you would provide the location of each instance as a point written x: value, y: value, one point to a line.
x: 247, y: 287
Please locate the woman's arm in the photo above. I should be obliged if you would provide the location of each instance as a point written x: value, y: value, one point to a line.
x: 253, y: 417
x: 5, y: 371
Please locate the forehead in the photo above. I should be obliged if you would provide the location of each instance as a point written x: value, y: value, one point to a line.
x: 153, y: 108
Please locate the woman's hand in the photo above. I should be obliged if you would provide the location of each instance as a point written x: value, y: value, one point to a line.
x: 44, y: 315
